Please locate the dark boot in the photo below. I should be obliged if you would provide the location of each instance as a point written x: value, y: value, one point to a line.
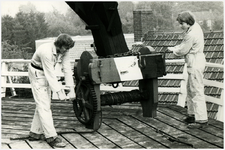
x: 197, y: 125
x: 189, y: 119
x: 36, y: 137
x: 55, y: 142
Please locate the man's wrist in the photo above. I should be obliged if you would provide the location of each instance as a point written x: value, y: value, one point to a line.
x: 58, y: 92
x: 70, y: 88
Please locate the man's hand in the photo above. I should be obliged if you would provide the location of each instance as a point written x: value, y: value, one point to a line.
x: 170, y: 48
x: 62, y: 96
x: 71, y: 95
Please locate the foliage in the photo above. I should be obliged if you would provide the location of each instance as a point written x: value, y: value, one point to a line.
x: 12, y: 51
x: 9, y: 51
x: 218, y: 24
x: 30, y: 27
x: 7, y: 28
x: 24, y: 29
x: 125, y: 9
x: 69, y: 23
x: 165, y: 12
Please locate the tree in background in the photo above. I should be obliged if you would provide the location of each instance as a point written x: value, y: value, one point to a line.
x: 22, y: 31
x: 125, y: 9
x: 165, y: 12
x: 27, y: 26
x: 69, y: 23
x: 218, y: 24
x: 30, y: 27
x: 7, y: 28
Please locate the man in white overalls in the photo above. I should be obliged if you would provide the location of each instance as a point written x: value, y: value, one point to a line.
x: 44, y: 80
x: 192, y: 48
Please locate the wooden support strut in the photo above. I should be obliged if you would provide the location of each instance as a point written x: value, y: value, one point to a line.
x: 149, y: 88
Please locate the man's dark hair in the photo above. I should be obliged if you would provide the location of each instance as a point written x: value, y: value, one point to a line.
x: 64, y: 40
x: 187, y: 17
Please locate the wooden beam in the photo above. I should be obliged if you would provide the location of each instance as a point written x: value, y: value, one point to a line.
x: 213, y: 83
x: 214, y: 100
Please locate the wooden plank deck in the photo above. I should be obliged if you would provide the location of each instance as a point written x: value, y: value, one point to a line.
x: 121, y: 128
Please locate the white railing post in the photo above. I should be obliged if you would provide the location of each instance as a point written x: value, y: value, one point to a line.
x: 220, y: 115
x: 4, y: 69
x: 13, y: 91
x: 183, y: 90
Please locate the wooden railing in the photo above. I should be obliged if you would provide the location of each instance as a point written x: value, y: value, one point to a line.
x: 6, y: 74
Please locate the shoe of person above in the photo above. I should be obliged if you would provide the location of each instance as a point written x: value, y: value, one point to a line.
x: 56, y: 142
x: 197, y: 125
x: 35, y: 137
x: 189, y: 119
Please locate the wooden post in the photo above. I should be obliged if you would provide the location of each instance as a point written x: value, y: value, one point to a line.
x: 149, y: 87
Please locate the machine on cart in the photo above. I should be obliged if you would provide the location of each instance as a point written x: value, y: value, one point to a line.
x: 112, y: 63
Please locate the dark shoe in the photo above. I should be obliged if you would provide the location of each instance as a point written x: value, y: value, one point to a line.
x: 36, y: 137
x: 197, y: 125
x: 190, y: 119
x: 55, y: 142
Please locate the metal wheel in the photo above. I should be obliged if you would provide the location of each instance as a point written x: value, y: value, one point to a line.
x: 85, y: 105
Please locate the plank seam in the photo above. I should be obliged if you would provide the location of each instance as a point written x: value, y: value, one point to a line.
x: 142, y: 132
x: 179, y: 130
x: 124, y: 135
x: 181, y: 121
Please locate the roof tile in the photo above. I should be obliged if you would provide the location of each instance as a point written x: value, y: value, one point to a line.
x: 219, y: 41
x: 214, y: 41
x: 206, y: 48
x: 215, y: 54
x: 208, y: 41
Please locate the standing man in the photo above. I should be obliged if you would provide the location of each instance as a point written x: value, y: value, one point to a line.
x: 192, y: 48
x: 44, y: 80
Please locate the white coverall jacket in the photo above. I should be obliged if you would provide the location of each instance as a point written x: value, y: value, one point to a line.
x: 192, y: 48
x: 42, y: 82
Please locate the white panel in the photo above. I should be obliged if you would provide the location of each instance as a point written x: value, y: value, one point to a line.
x: 128, y: 68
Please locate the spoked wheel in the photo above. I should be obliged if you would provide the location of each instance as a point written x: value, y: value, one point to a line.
x: 85, y: 105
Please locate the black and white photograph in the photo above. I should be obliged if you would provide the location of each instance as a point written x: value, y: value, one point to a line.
x: 112, y: 74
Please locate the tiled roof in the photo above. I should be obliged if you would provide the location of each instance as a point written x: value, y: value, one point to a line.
x: 213, y: 51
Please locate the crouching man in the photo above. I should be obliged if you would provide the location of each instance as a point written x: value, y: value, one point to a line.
x: 44, y: 80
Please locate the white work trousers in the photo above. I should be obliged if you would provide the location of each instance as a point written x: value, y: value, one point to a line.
x: 42, y: 121
x: 195, y: 94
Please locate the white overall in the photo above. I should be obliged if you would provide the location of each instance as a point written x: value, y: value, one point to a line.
x: 195, y: 88
x: 42, y: 121
x: 192, y: 48
x: 43, y: 82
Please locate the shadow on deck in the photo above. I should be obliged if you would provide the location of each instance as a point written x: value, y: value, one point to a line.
x: 122, y: 128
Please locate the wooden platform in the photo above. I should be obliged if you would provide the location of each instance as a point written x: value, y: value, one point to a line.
x: 121, y: 128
